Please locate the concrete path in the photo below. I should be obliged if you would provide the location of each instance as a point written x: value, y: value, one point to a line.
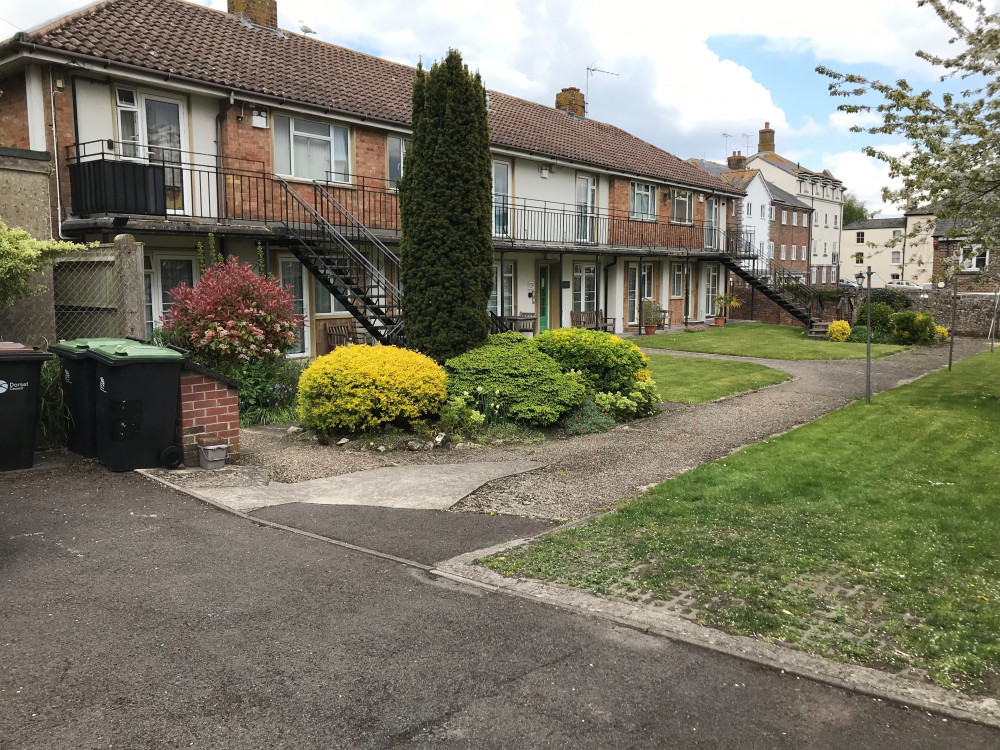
x: 428, y: 487
x: 135, y: 617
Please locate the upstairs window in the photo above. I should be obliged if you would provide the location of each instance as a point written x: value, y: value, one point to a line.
x: 682, y: 207
x: 783, y: 252
x: 795, y: 251
x: 835, y: 217
x: 749, y: 209
x: 859, y: 238
x: 784, y: 217
x: 795, y: 218
x: 311, y: 150
x: 397, y: 152
x: 642, y: 202
x: 826, y: 220
x: 897, y: 257
x: 770, y: 213
x: 805, y: 220
x: 974, y: 258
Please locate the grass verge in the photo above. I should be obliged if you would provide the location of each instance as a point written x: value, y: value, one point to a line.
x: 693, y: 380
x: 762, y: 340
x: 869, y: 536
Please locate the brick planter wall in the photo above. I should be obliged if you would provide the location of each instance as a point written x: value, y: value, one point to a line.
x: 207, y: 405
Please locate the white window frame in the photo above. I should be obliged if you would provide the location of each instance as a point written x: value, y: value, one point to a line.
x: 896, y: 257
x: 762, y: 210
x: 750, y: 209
x: 835, y: 219
x: 971, y: 263
x: 685, y: 197
x: 770, y: 213
x: 783, y: 250
x: 404, y: 143
x: 824, y: 249
x: 805, y: 219
x: 676, y: 280
x: 333, y: 175
x: 583, y: 274
x: 795, y: 218
x: 647, y: 192
x: 794, y: 252
x: 320, y: 292
x: 814, y: 274
x: 826, y: 220
x: 510, y: 278
x: 770, y: 248
x: 784, y: 217
x: 859, y: 238
x: 154, y: 274
x: 306, y: 330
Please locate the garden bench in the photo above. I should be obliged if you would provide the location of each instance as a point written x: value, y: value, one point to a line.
x: 592, y: 319
x: 341, y: 332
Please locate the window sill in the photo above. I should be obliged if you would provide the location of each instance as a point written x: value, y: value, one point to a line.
x: 644, y: 219
x: 682, y: 223
x: 306, y: 181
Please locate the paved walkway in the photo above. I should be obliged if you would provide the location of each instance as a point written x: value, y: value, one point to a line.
x: 136, y: 617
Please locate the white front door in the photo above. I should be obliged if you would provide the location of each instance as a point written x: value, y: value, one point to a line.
x: 586, y: 208
x: 293, y: 277
x: 639, y: 288
x: 712, y: 223
x: 711, y: 289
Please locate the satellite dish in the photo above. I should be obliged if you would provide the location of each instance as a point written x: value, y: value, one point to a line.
x: 305, y: 28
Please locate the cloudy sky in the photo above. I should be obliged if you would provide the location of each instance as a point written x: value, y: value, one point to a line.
x: 686, y: 72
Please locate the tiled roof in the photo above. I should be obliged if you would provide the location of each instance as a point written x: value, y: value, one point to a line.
x: 893, y: 222
x: 783, y: 196
x: 792, y: 167
x: 948, y: 227
x: 198, y: 44
x: 738, y: 178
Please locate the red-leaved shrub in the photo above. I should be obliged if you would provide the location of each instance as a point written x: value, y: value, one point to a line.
x: 232, y: 316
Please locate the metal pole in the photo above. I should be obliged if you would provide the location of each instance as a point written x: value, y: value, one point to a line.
x: 868, y: 355
x: 954, y: 315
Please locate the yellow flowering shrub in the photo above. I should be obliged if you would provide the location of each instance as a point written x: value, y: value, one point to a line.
x: 839, y: 330
x: 359, y: 387
x: 607, y: 361
x: 942, y: 333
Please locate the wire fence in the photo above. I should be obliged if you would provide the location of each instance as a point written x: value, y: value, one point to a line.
x: 95, y: 292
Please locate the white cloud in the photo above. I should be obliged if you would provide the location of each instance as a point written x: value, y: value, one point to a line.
x: 844, y: 121
x: 865, y: 176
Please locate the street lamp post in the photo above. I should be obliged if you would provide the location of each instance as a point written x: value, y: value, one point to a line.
x: 860, y: 276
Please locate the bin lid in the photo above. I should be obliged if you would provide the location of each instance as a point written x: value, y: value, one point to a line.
x: 78, y: 348
x: 13, y: 350
x: 131, y: 352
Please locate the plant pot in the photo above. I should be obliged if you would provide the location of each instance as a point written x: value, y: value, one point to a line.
x: 650, y: 330
x: 720, y: 320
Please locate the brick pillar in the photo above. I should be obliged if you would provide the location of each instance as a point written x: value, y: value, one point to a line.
x: 207, y: 406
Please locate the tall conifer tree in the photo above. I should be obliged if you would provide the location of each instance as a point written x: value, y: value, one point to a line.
x: 446, y: 206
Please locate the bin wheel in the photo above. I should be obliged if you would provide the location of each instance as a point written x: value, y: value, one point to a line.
x: 171, y: 457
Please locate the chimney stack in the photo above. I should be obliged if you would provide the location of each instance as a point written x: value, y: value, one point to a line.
x: 737, y: 162
x: 766, y: 141
x: 571, y: 100
x: 260, y: 12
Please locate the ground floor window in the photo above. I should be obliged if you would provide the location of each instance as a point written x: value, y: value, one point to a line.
x: 508, y: 289
x: 324, y: 301
x: 584, y: 287
x: 676, y: 280
x: 163, y: 272
x: 293, y: 275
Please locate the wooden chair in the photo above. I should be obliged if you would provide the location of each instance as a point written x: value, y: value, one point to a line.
x: 583, y: 319
x: 340, y: 333
x: 602, y: 323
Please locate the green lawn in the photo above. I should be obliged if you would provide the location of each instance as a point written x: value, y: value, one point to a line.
x: 694, y: 380
x: 761, y: 340
x: 871, y: 535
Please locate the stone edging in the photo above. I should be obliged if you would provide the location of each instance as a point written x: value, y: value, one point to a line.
x: 863, y: 680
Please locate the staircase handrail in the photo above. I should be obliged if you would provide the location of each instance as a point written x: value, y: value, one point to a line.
x: 355, y: 223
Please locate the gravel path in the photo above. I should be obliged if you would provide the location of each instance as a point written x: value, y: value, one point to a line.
x: 585, y: 474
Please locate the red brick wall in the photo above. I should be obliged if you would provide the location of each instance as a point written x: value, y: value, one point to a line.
x: 206, y: 406
x: 763, y: 310
x: 788, y: 235
x: 14, y: 112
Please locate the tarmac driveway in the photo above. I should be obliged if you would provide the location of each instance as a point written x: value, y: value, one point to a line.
x: 135, y: 617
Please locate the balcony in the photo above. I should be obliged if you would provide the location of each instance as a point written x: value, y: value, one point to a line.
x: 111, y: 178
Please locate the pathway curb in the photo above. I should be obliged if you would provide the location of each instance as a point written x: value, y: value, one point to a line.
x: 862, y: 680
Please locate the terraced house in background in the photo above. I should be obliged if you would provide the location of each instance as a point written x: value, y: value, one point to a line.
x: 169, y: 121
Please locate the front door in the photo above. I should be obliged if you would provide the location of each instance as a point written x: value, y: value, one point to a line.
x: 501, y: 199
x: 543, y: 298
x: 292, y: 276
x: 163, y: 146
x: 711, y: 289
x: 712, y: 223
x: 640, y: 287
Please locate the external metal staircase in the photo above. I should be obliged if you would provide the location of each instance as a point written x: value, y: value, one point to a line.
x: 331, y: 243
x: 778, y: 284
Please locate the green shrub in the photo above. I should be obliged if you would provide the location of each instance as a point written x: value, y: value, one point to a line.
x: 515, y: 380
x: 881, y: 317
x: 639, y: 401
x: 608, y: 362
x: 896, y: 299
x: 359, y: 387
x: 268, y: 390
x: 458, y: 416
x: 911, y: 327
x: 586, y: 419
x: 942, y: 333
x: 859, y: 334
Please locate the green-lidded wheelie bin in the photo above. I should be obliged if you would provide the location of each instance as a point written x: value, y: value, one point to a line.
x: 79, y: 378
x: 20, y: 379
x: 136, y: 387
